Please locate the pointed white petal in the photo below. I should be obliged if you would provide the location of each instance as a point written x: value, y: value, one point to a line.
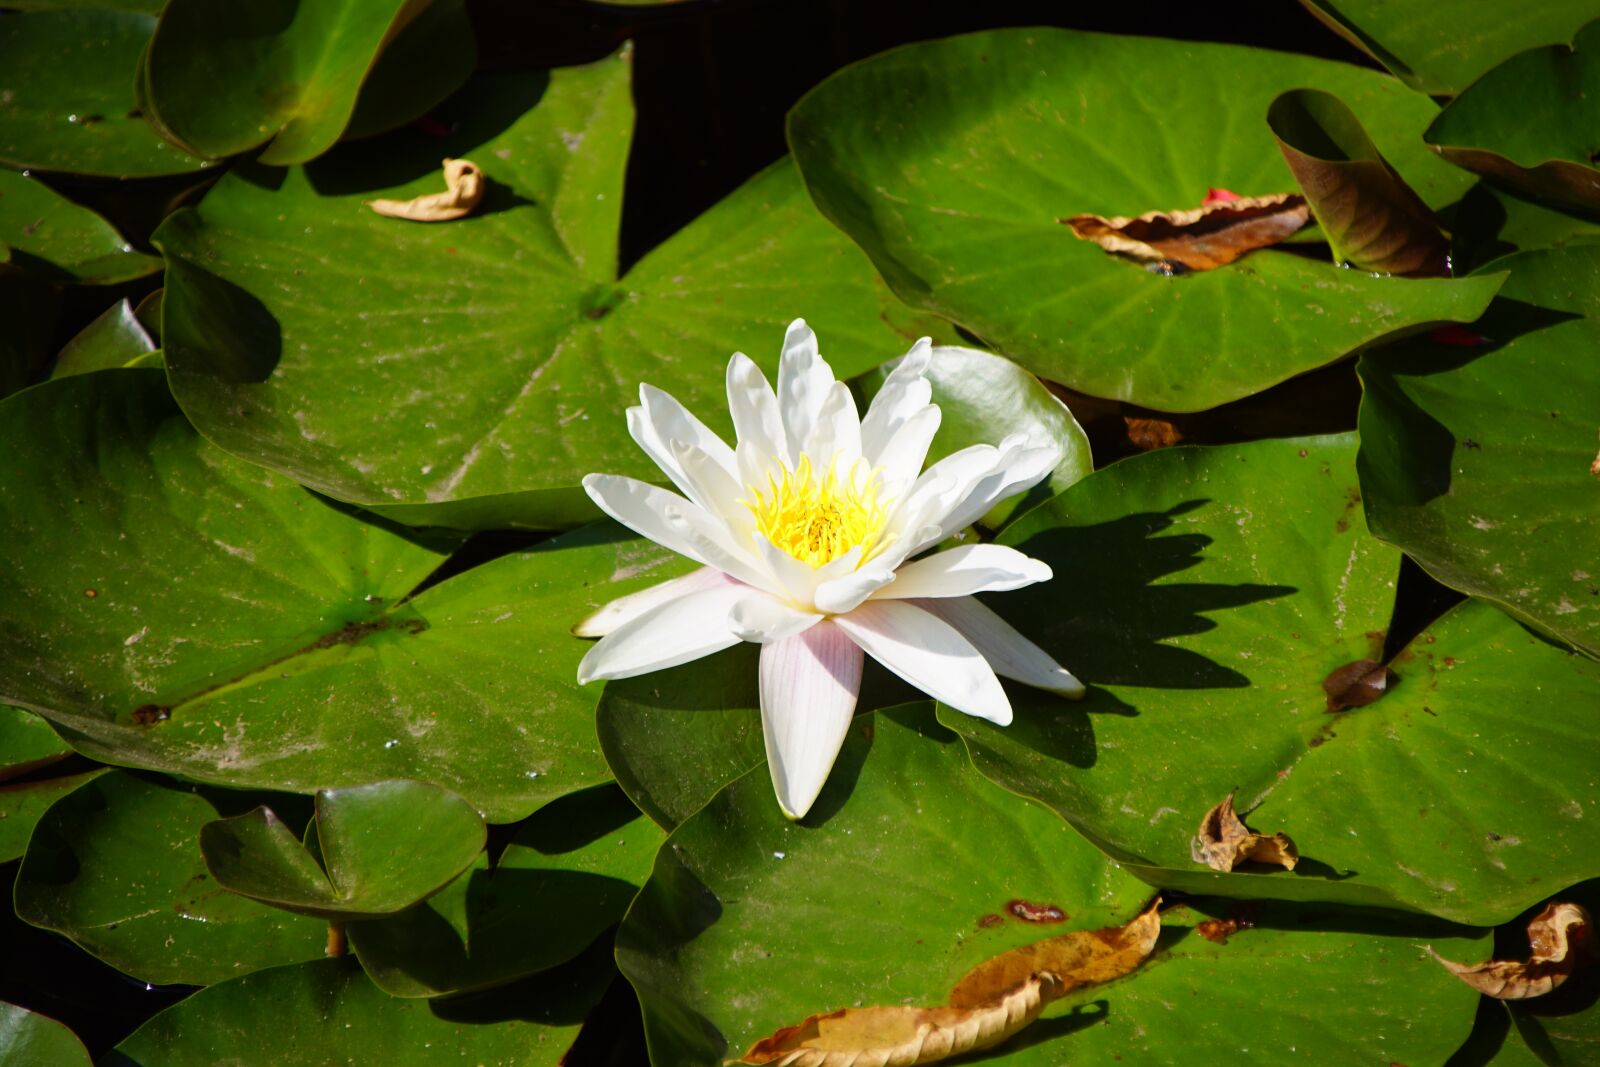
x: 1017, y: 471
x: 809, y: 684
x: 900, y: 459
x: 624, y: 609
x: 764, y: 619
x: 804, y: 381
x: 676, y: 632
x: 930, y: 654
x: 836, y: 436
x: 793, y: 580
x: 903, y: 394
x: 674, y: 422
x: 915, y: 523
x: 754, y: 407
x: 668, y: 519
x: 843, y: 594
x: 666, y: 454
x: 966, y: 570
x: 1008, y: 652
x: 713, y: 487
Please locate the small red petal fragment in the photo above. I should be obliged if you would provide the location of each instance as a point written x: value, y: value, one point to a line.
x: 1457, y: 335
x: 1219, y: 196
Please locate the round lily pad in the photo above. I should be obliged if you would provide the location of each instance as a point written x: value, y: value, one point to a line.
x: 29, y: 1038
x: 951, y: 163
x: 45, y: 235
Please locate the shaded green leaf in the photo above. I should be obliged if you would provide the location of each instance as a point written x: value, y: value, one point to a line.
x: 1370, y: 216
x: 1532, y: 123
x: 431, y: 57
x: 114, y: 339
x: 29, y: 309
x: 950, y: 163
x: 1477, y: 460
x: 28, y: 1039
x: 66, y: 97
x: 380, y: 848
x: 568, y: 874
x: 54, y: 239
x: 114, y: 865
x: 490, y: 360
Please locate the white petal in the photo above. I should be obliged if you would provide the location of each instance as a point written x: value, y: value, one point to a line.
x: 676, y: 632
x: 764, y: 619
x: 900, y: 459
x: 792, y: 579
x: 674, y: 422
x: 809, y: 684
x: 713, y: 487
x: 836, y: 435
x: 966, y: 570
x: 666, y: 454
x: 915, y: 523
x: 1016, y: 471
x: 843, y: 594
x: 904, y: 393
x: 754, y: 407
x: 804, y: 381
x: 623, y: 609
x: 670, y: 520
x: 930, y: 654
x: 1008, y: 652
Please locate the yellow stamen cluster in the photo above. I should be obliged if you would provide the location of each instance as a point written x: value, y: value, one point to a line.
x: 816, y: 518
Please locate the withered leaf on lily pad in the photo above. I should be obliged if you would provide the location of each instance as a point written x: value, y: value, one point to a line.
x: 1562, y: 940
x: 1223, y: 842
x: 464, y: 188
x: 1357, y: 684
x: 1212, y: 235
x: 990, y: 1003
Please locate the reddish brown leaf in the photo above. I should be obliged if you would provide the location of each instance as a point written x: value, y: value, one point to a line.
x: 1223, y: 842
x: 1562, y: 940
x: 1201, y: 238
x: 1357, y: 684
x: 464, y: 187
x: 993, y: 1001
x: 1147, y: 434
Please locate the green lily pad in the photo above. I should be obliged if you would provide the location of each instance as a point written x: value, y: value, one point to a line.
x: 568, y: 875
x: 1478, y: 461
x: 114, y: 339
x: 431, y: 57
x: 983, y: 397
x: 327, y: 1009
x: 115, y: 867
x: 1205, y: 594
x: 889, y: 888
x: 464, y: 389
x: 213, y: 620
x: 1489, y: 223
x: 66, y: 94
x: 1439, y: 49
x: 27, y: 746
x: 380, y: 848
x: 53, y: 239
x: 951, y: 162
x: 27, y: 743
x: 23, y: 804
x: 28, y: 1038
x: 1531, y: 123
x: 294, y: 72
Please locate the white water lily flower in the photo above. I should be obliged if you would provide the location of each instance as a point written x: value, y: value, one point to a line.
x: 807, y: 532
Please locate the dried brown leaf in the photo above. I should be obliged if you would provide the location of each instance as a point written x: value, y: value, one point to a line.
x: 1147, y: 434
x: 464, y: 188
x: 1357, y: 684
x: 993, y: 1001
x: 1199, y: 238
x: 1562, y: 940
x: 1223, y: 842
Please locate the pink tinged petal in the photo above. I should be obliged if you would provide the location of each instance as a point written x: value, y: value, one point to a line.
x: 843, y: 594
x: 804, y: 381
x: 1008, y: 652
x: 904, y: 393
x: 754, y: 408
x: 676, y: 632
x: 930, y: 654
x: 809, y: 684
x: 674, y: 522
x: 624, y: 609
x: 764, y: 619
x: 966, y: 570
x: 900, y: 460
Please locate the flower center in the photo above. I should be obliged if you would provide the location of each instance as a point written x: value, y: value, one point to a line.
x: 817, y: 518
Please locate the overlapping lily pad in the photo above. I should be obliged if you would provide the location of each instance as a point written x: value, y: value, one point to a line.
x: 1442, y: 48
x: 28, y: 748
x: 471, y: 372
x: 568, y: 875
x: 1205, y: 594
x: 49, y: 237
x: 27, y: 1038
x: 1480, y: 461
x: 66, y: 93
x: 1531, y: 123
x: 211, y: 619
x: 951, y: 163
x: 115, y: 339
x: 327, y: 1009
x: 376, y: 849
x: 115, y: 866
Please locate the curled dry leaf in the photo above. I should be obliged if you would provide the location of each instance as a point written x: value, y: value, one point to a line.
x: 1223, y: 842
x: 1357, y: 684
x: 993, y: 1001
x: 1562, y: 940
x: 464, y: 187
x: 1201, y: 238
x: 1147, y: 434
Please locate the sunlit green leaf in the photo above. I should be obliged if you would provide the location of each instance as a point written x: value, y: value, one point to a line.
x: 53, y: 239
x: 114, y: 339
x: 28, y: 1039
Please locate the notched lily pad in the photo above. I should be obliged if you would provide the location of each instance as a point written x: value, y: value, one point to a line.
x: 1562, y: 939
x: 1223, y: 842
x: 1213, y: 235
